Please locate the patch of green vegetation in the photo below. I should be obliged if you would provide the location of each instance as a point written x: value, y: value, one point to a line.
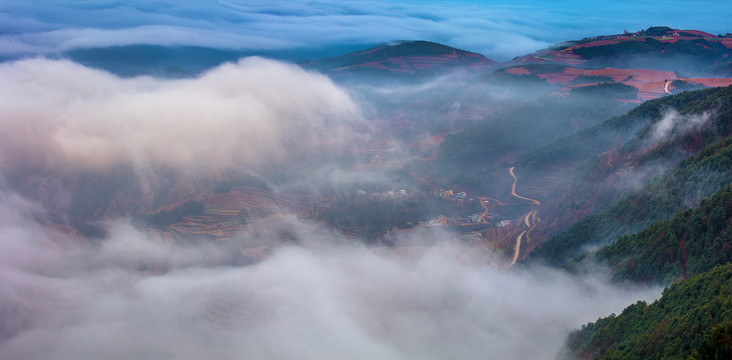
x: 650, y: 53
x: 500, y: 76
x: 681, y: 86
x: 418, y: 48
x: 656, y: 31
x: 617, y: 130
x: 613, y: 89
x: 590, y: 79
x: 690, y: 321
x: 691, y: 243
x: 693, y: 180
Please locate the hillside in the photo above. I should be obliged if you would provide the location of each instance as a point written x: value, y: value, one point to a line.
x: 691, y: 243
x: 656, y: 48
x: 690, y: 321
x: 533, y: 124
x: 649, y: 84
x: 401, y: 58
x: 614, y: 168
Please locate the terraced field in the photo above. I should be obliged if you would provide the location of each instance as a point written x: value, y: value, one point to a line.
x: 243, y: 211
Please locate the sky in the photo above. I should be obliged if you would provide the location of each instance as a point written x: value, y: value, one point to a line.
x: 499, y: 30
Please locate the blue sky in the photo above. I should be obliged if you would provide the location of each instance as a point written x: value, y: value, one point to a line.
x: 497, y: 29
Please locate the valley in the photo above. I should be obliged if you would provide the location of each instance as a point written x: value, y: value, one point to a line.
x: 403, y: 200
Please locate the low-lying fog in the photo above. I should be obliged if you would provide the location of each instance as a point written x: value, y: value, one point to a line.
x: 133, y: 294
x: 136, y: 296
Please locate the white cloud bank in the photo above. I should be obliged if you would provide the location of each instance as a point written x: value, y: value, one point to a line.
x: 499, y: 30
x: 58, y: 112
x: 134, y: 296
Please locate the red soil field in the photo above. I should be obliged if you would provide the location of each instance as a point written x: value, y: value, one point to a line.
x: 518, y: 71
x: 712, y: 82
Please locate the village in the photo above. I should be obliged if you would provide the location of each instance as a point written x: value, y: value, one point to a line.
x: 478, y: 220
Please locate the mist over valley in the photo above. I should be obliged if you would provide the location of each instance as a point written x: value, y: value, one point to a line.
x: 216, y: 193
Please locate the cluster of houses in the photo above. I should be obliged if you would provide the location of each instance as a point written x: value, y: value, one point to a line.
x: 447, y: 194
x: 389, y: 194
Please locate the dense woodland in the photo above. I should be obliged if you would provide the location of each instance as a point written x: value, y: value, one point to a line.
x: 693, y: 179
x: 691, y: 250
x: 686, y: 55
x: 691, y: 243
x: 692, y: 320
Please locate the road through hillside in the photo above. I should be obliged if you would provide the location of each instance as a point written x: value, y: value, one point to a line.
x: 517, y: 247
x: 527, y: 219
x: 513, y: 188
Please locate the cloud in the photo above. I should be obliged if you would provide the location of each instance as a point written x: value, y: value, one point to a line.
x: 496, y: 29
x: 252, y: 111
x: 135, y: 296
x: 674, y: 123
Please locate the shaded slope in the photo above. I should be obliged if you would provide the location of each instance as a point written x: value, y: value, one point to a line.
x: 656, y: 48
x: 693, y: 180
x: 690, y: 321
x: 601, y: 164
x: 401, y: 58
x: 532, y: 124
x: 692, y: 242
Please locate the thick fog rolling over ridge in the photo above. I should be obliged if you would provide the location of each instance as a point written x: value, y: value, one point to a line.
x: 360, y: 180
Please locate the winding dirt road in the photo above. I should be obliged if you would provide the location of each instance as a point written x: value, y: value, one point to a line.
x: 529, y: 220
x: 485, y: 211
x: 517, y: 248
x: 513, y: 188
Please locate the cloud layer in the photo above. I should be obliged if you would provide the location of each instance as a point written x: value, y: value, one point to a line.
x: 135, y: 296
x: 58, y: 112
x: 500, y: 30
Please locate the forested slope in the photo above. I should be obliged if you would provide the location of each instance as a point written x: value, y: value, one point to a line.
x: 684, y: 187
x: 692, y: 242
x: 692, y: 320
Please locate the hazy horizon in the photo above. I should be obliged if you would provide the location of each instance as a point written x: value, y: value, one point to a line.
x: 316, y: 29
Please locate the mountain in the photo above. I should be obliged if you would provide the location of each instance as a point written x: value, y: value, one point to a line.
x: 534, y: 123
x: 691, y: 243
x: 656, y: 48
x: 402, y: 58
x: 649, y: 84
x: 604, y: 197
x: 690, y: 321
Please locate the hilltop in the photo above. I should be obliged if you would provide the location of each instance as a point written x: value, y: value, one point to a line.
x: 402, y: 57
x: 656, y: 48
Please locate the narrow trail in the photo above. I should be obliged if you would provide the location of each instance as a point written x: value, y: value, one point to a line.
x: 517, y: 247
x: 485, y: 211
x: 513, y: 188
x: 529, y: 220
